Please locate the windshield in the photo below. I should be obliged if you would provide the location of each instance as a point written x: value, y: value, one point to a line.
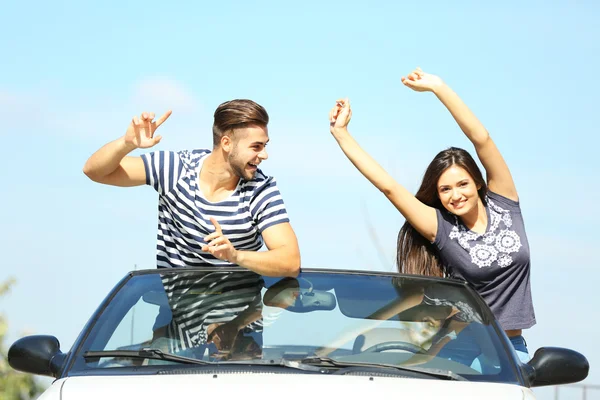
x: 240, y: 317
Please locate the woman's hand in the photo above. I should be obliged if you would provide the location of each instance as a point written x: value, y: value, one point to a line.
x: 422, y: 82
x: 340, y: 116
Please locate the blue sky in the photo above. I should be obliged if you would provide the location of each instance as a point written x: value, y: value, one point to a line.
x: 74, y: 73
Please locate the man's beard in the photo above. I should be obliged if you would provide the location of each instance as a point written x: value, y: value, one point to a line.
x: 238, y: 166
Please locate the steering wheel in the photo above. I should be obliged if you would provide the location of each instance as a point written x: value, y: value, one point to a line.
x: 395, y: 345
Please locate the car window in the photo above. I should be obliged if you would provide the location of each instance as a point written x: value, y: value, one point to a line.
x: 129, y: 333
x: 225, y: 316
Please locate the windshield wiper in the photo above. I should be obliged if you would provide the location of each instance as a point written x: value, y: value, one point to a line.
x: 156, y: 354
x: 284, y: 362
x: 146, y: 353
x: 326, y: 361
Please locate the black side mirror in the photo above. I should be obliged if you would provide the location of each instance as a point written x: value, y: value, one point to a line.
x: 557, y: 366
x: 37, y: 354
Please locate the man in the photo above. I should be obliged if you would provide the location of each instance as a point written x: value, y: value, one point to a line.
x: 215, y: 207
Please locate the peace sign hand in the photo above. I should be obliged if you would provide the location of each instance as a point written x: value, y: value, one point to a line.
x: 140, y: 132
x: 219, y: 246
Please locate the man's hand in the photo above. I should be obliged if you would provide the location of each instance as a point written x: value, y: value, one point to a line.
x: 340, y: 116
x: 140, y: 133
x: 219, y: 246
x: 422, y: 82
x: 223, y: 335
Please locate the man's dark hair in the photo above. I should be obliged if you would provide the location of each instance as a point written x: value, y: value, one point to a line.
x: 239, y: 113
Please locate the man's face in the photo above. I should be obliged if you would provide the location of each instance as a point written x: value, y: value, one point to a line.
x: 249, y: 150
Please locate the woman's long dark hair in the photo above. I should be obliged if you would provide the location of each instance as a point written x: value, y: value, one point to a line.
x: 415, y: 254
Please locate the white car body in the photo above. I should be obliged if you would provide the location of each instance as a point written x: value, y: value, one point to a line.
x: 335, y: 335
x: 274, y: 387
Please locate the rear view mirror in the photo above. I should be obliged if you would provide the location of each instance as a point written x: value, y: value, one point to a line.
x: 312, y: 301
x: 288, y: 294
x: 557, y: 366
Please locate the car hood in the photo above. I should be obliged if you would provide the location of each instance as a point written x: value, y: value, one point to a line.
x: 269, y: 386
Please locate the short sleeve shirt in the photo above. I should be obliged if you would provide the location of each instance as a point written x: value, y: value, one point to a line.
x: 496, y: 263
x: 184, y: 213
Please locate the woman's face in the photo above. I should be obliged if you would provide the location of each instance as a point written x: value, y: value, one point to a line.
x: 424, y: 329
x: 457, y: 191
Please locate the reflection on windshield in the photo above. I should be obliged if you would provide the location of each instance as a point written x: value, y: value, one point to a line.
x: 233, y: 316
x: 218, y: 308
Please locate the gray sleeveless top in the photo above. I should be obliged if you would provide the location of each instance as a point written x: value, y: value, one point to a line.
x: 496, y: 263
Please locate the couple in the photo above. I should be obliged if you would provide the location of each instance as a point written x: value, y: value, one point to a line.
x: 218, y: 208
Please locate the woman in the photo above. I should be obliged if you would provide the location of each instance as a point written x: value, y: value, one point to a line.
x: 458, y: 225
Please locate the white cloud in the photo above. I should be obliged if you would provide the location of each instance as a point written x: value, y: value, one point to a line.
x: 61, y: 113
x: 163, y: 93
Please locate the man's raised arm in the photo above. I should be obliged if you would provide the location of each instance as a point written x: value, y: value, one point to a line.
x: 111, y: 165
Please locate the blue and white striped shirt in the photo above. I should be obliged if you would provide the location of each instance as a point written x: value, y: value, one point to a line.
x: 184, y: 214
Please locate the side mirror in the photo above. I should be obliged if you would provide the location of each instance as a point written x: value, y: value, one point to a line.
x: 37, y: 354
x: 557, y: 366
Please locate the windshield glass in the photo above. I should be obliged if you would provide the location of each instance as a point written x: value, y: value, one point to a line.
x: 226, y: 317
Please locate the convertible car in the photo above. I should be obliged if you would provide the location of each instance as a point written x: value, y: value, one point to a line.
x: 183, y: 333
